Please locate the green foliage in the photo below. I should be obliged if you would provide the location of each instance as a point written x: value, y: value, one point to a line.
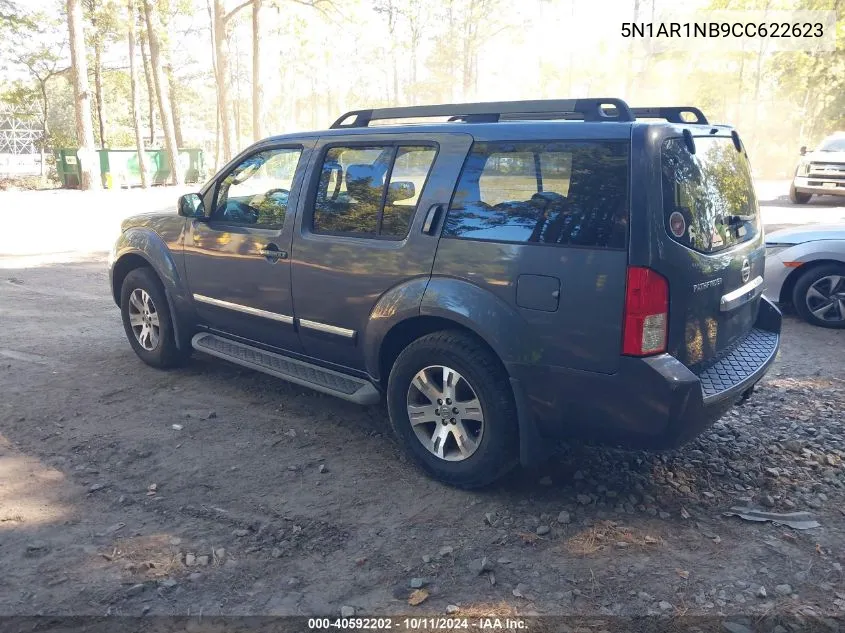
x: 322, y: 57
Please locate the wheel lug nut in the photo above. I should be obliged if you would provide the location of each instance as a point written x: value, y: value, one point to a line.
x: 448, y: 401
x: 439, y: 401
x: 437, y: 412
x: 452, y: 420
x: 454, y: 409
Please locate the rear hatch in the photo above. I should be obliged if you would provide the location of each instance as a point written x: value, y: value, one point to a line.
x: 710, y: 245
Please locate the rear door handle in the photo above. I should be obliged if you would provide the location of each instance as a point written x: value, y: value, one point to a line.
x: 432, y: 219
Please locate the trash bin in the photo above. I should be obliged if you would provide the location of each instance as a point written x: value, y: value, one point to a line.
x: 68, y: 169
x: 191, y: 165
x: 119, y: 167
x: 195, y: 171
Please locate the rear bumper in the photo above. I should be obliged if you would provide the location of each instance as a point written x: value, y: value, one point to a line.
x: 655, y: 402
x: 820, y: 185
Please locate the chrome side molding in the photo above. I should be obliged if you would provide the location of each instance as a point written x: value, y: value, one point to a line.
x: 275, y: 316
x: 324, y: 327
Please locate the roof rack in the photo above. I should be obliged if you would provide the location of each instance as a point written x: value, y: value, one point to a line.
x: 672, y: 114
x: 596, y: 109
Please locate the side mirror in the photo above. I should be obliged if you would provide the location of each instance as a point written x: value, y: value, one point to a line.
x: 803, y: 150
x: 400, y: 190
x: 191, y: 206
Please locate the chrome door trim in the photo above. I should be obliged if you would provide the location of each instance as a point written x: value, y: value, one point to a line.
x: 741, y: 295
x: 275, y: 316
x: 324, y: 327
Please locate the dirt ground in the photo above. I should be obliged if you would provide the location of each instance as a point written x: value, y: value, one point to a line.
x: 216, y: 490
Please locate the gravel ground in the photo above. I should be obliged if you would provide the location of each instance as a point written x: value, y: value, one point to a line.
x: 266, y: 498
x: 216, y: 490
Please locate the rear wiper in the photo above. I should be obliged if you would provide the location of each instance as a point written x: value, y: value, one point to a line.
x: 739, y: 219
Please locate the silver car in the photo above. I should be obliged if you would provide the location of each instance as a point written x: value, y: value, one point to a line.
x: 805, y: 268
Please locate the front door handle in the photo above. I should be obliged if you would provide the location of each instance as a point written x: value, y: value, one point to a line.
x: 272, y: 253
x: 432, y: 218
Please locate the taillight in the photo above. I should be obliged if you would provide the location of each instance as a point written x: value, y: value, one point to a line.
x: 646, y: 313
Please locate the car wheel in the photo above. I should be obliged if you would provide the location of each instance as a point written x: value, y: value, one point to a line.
x: 797, y: 197
x: 819, y: 295
x: 451, y: 405
x: 147, y: 320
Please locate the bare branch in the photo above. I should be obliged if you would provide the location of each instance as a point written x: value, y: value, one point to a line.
x: 317, y: 5
x: 236, y: 10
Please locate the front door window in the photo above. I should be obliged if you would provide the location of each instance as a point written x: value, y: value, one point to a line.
x: 256, y: 192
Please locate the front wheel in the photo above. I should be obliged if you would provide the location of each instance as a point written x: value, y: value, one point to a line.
x: 819, y: 296
x: 147, y: 320
x: 451, y: 405
x: 798, y: 197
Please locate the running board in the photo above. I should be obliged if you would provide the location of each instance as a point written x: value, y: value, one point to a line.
x: 296, y: 371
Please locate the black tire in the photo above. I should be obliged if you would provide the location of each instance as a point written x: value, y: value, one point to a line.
x: 164, y: 353
x: 498, y: 449
x: 802, y: 289
x: 798, y: 197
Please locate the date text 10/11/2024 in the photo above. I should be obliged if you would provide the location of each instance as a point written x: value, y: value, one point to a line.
x: 419, y: 624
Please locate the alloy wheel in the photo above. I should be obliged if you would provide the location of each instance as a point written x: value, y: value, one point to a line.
x: 826, y: 298
x: 143, y: 317
x: 445, y: 413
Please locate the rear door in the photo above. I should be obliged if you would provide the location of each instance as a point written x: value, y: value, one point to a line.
x: 708, y: 243
x: 543, y: 226
x: 362, y: 233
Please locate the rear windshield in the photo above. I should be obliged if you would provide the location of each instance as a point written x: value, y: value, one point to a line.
x: 708, y: 197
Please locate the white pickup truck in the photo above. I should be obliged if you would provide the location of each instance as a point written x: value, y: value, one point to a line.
x: 820, y: 171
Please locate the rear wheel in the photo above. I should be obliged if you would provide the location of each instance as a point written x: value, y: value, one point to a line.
x: 819, y: 295
x: 451, y: 405
x: 147, y: 320
x: 798, y: 197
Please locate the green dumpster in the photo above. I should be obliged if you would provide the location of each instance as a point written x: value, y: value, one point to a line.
x: 67, y: 168
x: 119, y: 167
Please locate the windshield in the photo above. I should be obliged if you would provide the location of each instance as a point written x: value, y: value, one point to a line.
x: 833, y: 144
x: 708, y: 197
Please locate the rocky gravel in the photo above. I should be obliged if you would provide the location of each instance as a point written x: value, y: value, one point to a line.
x: 271, y: 499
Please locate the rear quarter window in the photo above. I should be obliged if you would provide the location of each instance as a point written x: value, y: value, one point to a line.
x: 711, y: 190
x: 554, y: 193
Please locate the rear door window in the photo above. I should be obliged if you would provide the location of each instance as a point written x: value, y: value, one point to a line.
x: 708, y: 197
x: 555, y: 193
x: 371, y: 191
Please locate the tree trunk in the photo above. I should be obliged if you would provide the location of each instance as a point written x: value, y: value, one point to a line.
x: 629, y: 75
x: 174, y: 105
x: 222, y: 55
x: 164, y: 109
x: 216, y: 87
x: 257, y: 85
x: 88, y: 159
x: 148, y: 77
x: 45, y: 128
x: 136, y: 100
x: 98, y: 82
x: 172, y: 84
x: 451, y: 44
x: 237, y: 101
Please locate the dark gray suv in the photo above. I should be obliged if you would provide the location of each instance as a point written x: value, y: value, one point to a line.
x: 503, y: 273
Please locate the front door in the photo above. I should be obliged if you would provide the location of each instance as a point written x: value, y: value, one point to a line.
x: 238, y: 259
x: 363, y: 231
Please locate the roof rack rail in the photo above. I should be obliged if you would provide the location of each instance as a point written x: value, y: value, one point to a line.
x: 673, y: 114
x: 596, y: 109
